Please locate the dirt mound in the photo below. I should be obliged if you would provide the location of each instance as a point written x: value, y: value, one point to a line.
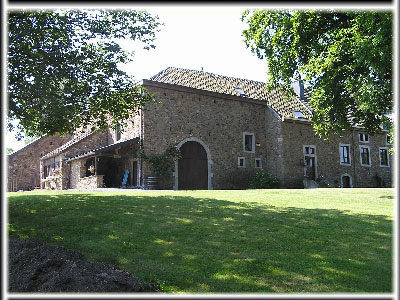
x: 36, y: 267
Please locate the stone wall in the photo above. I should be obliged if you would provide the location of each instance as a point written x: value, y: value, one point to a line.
x: 79, y: 180
x: 218, y: 121
x: 24, y: 164
x: 129, y: 131
x: 95, y: 140
x: 296, y: 134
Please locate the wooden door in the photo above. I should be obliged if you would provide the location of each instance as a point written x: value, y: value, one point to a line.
x: 346, y: 181
x: 193, y: 167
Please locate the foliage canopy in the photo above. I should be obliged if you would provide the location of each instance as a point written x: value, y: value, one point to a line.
x: 345, y: 58
x: 63, y: 68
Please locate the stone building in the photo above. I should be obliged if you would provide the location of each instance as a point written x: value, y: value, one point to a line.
x: 226, y: 129
x: 24, y: 164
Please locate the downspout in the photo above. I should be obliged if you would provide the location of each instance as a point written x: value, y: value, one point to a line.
x: 141, y: 180
x: 354, y: 161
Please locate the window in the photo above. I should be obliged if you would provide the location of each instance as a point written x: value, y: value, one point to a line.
x: 298, y: 114
x: 309, y: 149
x: 89, y: 167
x: 240, y: 92
x: 365, y: 156
x: 388, y: 141
x: 241, y: 162
x: 363, y: 137
x: 344, y: 154
x: 248, y: 142
x: 117, y: 133
x: 258, y: 164
x: 384, y: 157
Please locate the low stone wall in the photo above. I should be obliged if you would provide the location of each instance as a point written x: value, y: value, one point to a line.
x: 91, y: 182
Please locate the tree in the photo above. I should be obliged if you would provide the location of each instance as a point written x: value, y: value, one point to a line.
x: 345, y: 58
x: 63, y: 68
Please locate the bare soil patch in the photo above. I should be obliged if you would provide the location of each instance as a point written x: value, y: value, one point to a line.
x: 36, y: 267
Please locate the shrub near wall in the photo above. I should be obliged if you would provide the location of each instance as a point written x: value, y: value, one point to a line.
x: 263, y: 180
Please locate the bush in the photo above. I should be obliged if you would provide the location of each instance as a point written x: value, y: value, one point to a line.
x: 263, y: 180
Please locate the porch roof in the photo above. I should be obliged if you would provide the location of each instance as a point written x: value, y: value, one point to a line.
x: 103, y: 149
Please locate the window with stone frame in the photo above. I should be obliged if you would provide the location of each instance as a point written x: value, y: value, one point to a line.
x: 365, y: 156
x: 363, y: 137
x: 258, y: 163
x: 344, y: 150
x: 248, y: 142
x: 241, y: 162
x: 89, y: 165
x: 384, y: 157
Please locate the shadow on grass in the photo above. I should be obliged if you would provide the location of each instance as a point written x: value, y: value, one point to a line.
x: 194, y: 245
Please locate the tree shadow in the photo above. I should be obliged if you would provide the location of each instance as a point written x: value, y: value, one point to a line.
x: 207, y: 245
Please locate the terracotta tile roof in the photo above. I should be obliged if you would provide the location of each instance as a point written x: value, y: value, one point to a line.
x: 227, y: 85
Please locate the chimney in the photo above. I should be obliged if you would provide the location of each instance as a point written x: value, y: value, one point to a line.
x: 298, y: 88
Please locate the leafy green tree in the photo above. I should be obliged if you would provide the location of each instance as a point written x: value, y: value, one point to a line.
x: 345, y: 58
x: 9, y: 150
x: 63, y: 68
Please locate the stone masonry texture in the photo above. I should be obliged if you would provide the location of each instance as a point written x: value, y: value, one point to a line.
x: 24, y: 165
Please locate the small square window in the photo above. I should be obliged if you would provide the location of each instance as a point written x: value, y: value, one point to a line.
x: 384, y: 157
x: 241, y: 162
x: 258, y: 163
x: 309, y: 150
x: 363, y: 137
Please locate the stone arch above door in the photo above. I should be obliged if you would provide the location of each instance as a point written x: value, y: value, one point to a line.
x: 346, y: 181
x: 208, y: 158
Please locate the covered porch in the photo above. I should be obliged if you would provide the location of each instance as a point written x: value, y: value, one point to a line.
x: 112, y: 166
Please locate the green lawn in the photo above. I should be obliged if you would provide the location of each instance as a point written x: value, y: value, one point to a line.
x: 255, y: 241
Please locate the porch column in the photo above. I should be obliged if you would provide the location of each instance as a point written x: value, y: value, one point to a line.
x: 95, y: 165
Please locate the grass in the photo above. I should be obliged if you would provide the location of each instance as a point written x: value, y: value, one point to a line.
x: 255, y: 241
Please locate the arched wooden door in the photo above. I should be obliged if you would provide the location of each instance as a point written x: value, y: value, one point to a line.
x: 192, y: 167
x: 346, y: 181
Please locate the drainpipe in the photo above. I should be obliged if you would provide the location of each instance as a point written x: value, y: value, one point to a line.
x: 354, y: 161
x: 141, y: 180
